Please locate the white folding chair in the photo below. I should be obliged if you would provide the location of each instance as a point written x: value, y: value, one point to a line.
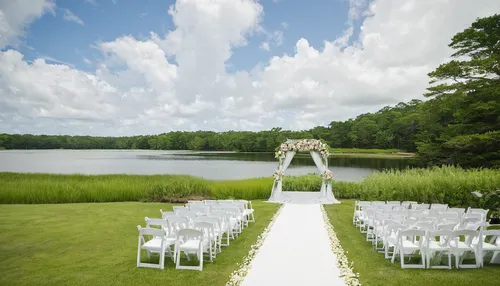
x: 390, y: 238
x: 437, y: 245
x: 410, y: 241
x: 248, y: 210
x: 460, y: 248
x: 209, y: 240
x: 218, y: 229
x: 153, y: 241
x: 490, y: 242
x: 226, y: 227
x: 162, y: 224
x: 189, y: 241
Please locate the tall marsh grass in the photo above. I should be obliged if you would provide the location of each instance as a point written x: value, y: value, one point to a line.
x: 450, y: 185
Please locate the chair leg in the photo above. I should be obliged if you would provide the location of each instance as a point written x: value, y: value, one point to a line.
x: 201, y: 259
x: 139, y: 253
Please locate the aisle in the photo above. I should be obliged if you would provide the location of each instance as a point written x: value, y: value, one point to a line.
x: 296, y: 251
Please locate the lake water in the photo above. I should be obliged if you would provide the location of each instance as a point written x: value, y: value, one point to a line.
x: 209, y: 165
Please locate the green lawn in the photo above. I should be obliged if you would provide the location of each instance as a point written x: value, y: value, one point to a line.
x: 375, y: 270
x: 96, y: 244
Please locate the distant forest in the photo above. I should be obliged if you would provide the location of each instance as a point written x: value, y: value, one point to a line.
x: 459, y: 124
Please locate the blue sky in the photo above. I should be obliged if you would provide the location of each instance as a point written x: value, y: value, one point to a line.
x: 105, y: 20
x: 124, y: 67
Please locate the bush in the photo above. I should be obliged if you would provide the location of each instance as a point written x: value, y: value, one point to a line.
x: 179, y: 189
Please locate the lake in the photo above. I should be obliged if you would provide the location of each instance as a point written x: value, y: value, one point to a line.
x: 209, y: 165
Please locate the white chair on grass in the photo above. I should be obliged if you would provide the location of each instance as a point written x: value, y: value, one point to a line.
x: 249, y: 211
x: 166, y: 214
x: 410, y: 242
x: 226, y: 226
x: 162, y: 224
x: 209, y: 240
x: 218, y: 229
x: 153, y: 241
x: 390, y: 238
x: 189, y: 241
x: 490, y: 242
x: 437, y: 245
x: 461, y: 248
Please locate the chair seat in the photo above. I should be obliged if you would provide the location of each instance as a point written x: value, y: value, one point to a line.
x: 461, y: 245
x: 248, y: 211
x: 490, y: 247
x: 191, y: 245
x: 155, y: 244
x: 434, y: 245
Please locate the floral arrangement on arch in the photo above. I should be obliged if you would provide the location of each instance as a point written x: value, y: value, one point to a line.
x: 278, y: 174
x: 328, y: 175
x: 304, y: 145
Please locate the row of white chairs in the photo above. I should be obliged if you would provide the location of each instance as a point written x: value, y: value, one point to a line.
x: 193, y: 229
x: 403, y: 228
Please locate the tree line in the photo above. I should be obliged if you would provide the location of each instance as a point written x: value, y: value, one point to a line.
x: 458, y: 124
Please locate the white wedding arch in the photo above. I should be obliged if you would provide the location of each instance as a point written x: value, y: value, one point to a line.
x: 319, y: 154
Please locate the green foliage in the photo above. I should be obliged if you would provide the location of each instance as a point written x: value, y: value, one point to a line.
x: 463, y: 118
x: 451, y: 185
x: 179, y: 189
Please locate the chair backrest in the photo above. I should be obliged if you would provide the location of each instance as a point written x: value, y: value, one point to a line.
x: 491, y: 236
x: 444, y: 237
x: 393, y: 227
x: 178, y: 223
x: 439, y: 207
x: 149, y: 231
x: 200, y: 209
x: 210, y: 219
x: 459, y: 211
x: 196, y: 202
x: 447, y: 226
x: 188, y: 234
x: 469, y: 235
x: 398, y: 203
x: 165, y: 214
x: 420, y: 206
x: 417, y: 235
x: 424, y: 225
x: 150, y: 222
x: 207, y: 228
x: 178, y: 209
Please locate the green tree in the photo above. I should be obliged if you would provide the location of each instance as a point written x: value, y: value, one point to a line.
x: 466, y: 92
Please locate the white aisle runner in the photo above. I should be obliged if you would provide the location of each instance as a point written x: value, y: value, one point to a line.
x: 296, y: 251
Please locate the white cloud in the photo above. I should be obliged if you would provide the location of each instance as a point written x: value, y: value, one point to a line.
x: 135, y: 89
x: 265, y: 46
x: 15, y: 17
x: 71, y: 17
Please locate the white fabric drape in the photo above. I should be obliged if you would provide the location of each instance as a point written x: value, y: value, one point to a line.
x: 318, y: 161
x: 288, y: 160
x: 278, y: 185
x: 326, y: 186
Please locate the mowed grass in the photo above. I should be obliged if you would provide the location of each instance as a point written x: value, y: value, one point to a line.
x: 96, y: 244
x: 374, y: 270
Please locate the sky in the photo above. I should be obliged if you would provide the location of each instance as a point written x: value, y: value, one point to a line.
x: 130, y: 67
